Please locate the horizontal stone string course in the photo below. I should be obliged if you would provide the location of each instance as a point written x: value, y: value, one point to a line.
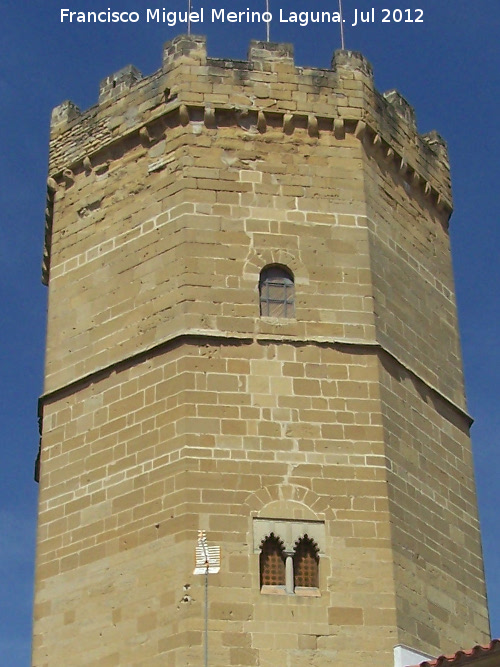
x: 191, y: 337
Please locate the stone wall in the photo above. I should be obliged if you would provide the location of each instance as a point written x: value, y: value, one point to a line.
x: 210, y: 435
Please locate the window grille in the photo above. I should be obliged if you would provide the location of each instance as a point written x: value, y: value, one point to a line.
x: 277, y: 292
x: 296, y: 572
x: 306, y: 563
x: 272, y: 562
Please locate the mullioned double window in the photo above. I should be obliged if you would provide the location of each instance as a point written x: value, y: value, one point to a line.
x: 289, y: 573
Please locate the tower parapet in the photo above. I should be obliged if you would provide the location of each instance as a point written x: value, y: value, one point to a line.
x: 269, y: 83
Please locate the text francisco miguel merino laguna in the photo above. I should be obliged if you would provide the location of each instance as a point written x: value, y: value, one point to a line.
x: 172, y: 18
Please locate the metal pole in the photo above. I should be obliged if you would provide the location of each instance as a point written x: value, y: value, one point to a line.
x: 207, y: 562
x: 206, y: 617
x: 268, y: 29
x: 189, y: 17
x: 341, y: 25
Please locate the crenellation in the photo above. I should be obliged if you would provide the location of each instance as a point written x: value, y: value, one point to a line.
x: 190, y: 48
x: 115, y: 85
x: 402, y: 107
x: 63, y: 114
x: 271, y: 56
x: 345, y: 65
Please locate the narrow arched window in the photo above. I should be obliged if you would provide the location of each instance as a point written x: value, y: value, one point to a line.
x: 272, y: 562
x: 277, y: 292
x: 306, y: 563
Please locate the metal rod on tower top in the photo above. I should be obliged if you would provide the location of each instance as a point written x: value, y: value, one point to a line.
x: 268, y: 23
x: 341, y: 26
x: 189, y: 17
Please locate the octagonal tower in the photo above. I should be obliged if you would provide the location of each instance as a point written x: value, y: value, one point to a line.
x: 252, y: 330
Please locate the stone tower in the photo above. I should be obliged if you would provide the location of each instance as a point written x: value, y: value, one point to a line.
x: 252, y: 331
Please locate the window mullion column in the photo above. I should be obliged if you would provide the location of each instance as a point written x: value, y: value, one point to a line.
x: 289, y: 585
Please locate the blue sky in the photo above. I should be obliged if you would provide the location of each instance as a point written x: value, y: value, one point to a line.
x: 447, y: 67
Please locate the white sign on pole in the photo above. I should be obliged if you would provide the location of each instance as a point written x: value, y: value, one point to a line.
x: 207, y: 558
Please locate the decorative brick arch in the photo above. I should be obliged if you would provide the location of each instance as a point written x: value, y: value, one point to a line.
x: 278, y: 499
x: 258, y: 259
x: 289, y: 512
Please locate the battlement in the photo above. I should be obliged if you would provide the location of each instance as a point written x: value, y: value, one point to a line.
x: 265, y: 92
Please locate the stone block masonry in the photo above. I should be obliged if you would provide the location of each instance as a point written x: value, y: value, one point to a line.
x: 171, y: 405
